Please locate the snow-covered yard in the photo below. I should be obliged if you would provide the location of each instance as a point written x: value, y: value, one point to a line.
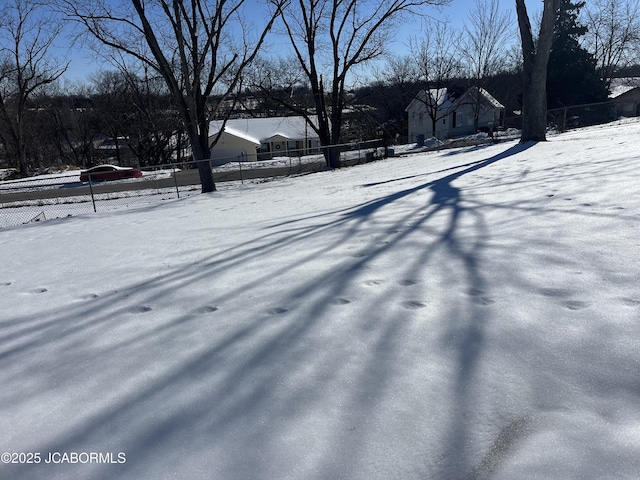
x: 469, y: 314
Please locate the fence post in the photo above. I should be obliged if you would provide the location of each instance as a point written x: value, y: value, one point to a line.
x: 93, y: 200
x: 240, y: 166
x: 175, y: 180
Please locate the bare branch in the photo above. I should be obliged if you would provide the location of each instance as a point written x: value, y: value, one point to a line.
x: 332, y: 37
x: 613, y: 35
x: 27, y: 67
x: 487, y: 35
x: 193, y: 44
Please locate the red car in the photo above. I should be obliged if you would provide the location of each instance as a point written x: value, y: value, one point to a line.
x: 103, y: 173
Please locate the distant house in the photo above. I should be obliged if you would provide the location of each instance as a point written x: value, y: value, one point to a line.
x: 113, y: 150
x: 251, y: 139
x: 455, y: 115
x: 625, y: 94
x: 233, y: 146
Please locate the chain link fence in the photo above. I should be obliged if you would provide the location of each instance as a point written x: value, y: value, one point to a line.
x: 567, y: 118
x: 46, y: 197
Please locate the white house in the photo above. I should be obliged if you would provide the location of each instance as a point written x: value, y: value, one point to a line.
x: 233, y: 146
x: 250, y: 139
x: 625, y: 94
x: 454, y: 115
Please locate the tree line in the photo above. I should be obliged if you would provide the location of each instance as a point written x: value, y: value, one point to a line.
x: 177, y: 64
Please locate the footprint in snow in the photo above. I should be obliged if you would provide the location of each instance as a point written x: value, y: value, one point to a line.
x: 484, y: 301
x: 575, y: 305
x: 340, y: 301
x: 475, y: 292
x: 479, y: 297
x: 277, y: 311
x: 408, y: 282
x: 554, y: 292
x: 413, y: 305
x: 373, y: 283
x: 141, y: 309
x: 631, y: 302
x: 6, y: 284
x: 39, y: 290
x: 207, y: 309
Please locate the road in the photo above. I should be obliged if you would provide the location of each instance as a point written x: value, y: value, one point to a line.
x: 148, y: 182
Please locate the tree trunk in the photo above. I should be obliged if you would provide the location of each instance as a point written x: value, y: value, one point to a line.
x: 534, y: 107
x: 336, y: 123
x: 23, y: 164
x: 324, y: 135
x: 22, y: 148
x: 325, y: 127
x: 536, y: 59
x: 202, y: 156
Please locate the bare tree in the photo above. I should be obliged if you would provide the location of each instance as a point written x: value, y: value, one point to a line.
x: 199, y: 47
x: 437, y: 56
x: 397, y: 87
x: 284, y: 87
x: 488, y: 33
x: 71, y: 124
x: 613, y: 35
x: 485, y: 43
x: 26, y: 67
x: 330, y: 38
x: 153, y: 125
x: 536, y: 59
x: 111, y: 97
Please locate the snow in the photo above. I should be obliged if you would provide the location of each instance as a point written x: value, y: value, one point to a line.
x: 263, y: 129
x: 620, y: 86
x: 464, y: 314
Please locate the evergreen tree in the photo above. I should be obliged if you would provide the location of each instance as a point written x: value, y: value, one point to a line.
x: 572, y: 75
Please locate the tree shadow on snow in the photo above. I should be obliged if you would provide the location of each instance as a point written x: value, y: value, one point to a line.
x: 257, y: 383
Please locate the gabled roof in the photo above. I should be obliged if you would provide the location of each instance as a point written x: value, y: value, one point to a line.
x: 446, y: 100
x: 433, y: 97
x: 239, y: 134
x: 262, y: 129
x: 621, y: 86
x: 486, y: 96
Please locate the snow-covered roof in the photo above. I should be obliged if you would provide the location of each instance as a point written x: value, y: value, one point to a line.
x: 620, y: 86
x: 446, y: 101
x: 436, y: 96
x: 240, y: 134
x: 262, y: 129
x: 487, y: 96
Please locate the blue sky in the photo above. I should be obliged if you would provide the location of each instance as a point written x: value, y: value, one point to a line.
x: 83, y: 63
